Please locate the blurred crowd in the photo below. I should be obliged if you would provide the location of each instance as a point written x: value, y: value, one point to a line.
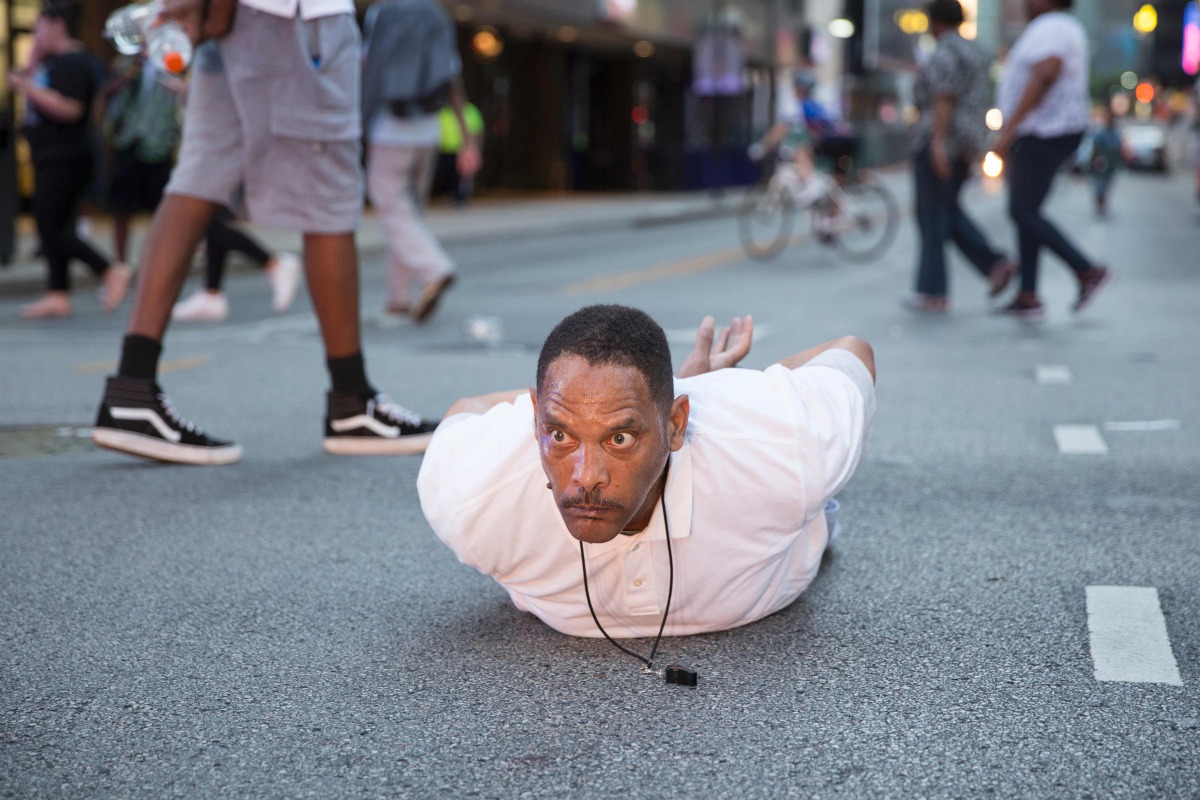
x: 104, y: 139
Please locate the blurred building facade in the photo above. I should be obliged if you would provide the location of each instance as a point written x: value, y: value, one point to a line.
x: 622, y: 94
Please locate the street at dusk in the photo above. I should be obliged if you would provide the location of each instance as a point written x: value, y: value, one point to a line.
x: 290, y: 626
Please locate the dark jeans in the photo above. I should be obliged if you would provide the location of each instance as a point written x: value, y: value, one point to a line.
x: 60, y: 186
x: 220, y: 239
x: 940, y: 219
x: 1031, y: 167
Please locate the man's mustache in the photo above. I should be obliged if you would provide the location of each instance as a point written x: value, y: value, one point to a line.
x: 588, y: 499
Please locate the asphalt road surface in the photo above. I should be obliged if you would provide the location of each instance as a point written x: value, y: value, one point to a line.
x: 290, y: 626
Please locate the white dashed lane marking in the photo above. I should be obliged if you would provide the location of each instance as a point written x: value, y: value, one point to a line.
x: 1144, y: 425
x: 1128, y: 636
x: 1052, y: 374
x: 1080, y: 440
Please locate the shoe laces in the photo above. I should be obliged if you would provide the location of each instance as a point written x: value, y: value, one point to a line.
x: 175, y: 415
x: 394, y: 411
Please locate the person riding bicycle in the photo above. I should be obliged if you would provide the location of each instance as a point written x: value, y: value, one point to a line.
x: 809, y: 129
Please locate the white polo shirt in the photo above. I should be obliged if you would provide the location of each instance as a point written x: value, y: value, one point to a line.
x: 1065, y: 108
x: 309, y: 9
x: 745, y: 497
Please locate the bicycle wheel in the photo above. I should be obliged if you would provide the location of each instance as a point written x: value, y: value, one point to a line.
x: 865, y: 221
x: 766, y: 219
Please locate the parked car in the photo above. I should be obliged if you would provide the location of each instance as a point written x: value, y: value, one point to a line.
x: 1145, y: 147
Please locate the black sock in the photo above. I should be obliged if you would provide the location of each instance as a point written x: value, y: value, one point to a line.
x: 349, y: 375
x: 139, y: 357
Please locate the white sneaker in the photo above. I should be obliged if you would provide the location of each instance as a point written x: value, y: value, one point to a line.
x: 833, y: 522
x: 810, y: 191
x: 284, y: 276
x: 202, y: 306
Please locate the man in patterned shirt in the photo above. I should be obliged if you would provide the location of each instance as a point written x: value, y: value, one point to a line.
x: 951, y: 92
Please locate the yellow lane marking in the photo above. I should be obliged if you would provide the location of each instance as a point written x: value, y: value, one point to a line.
x: 166, y: 366
x: 659, y: 272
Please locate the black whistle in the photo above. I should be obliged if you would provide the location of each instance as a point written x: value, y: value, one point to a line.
x: 680, y: 676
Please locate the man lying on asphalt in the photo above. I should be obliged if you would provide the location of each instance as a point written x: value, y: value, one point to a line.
x: 710, y: 488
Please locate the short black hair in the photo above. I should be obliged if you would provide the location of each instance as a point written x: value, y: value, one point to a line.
x: 617, y: 336
x: 947, y: 12
x: 65, y: 10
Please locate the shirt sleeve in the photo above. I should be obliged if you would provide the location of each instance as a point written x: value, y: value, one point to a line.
x: 835, y: 407
x: 471, y: 457
x: 939, y: 73
x: 1048, y: 40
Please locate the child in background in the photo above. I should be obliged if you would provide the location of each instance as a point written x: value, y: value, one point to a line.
x: 1106, y: 154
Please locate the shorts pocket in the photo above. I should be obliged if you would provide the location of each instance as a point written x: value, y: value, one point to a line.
x: 314, y: 156
x: 315, y: 124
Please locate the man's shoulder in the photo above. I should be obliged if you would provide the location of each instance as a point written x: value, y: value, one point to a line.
x: 1055, y: 28
x: 479, y: 448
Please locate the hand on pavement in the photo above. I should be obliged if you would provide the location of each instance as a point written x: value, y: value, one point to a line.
x: 717, y: 351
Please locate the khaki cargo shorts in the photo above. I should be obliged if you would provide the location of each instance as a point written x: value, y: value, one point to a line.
x: 273, y: 106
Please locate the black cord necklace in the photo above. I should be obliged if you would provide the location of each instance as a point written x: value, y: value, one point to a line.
x: 648, y: 662
x: 673, y: 674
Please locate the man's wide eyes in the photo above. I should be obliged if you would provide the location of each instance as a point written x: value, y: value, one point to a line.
x: 618, y: 440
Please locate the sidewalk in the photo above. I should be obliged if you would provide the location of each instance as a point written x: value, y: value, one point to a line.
x: 482, y: 220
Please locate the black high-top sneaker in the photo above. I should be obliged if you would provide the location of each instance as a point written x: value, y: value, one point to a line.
x: 135, y: 417
x: 373, y: 426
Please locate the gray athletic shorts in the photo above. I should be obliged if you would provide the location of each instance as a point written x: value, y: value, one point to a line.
x: 274, y: 105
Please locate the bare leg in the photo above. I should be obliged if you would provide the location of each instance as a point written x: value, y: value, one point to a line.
x: 331, y: 266
x: 162, y: 266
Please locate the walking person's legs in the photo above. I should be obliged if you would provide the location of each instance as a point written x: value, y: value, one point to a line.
x: 57, y: 195
x: 413, y: 250
x: 933, y: 223
x: 973, y: 243
x: 221, y: 238
x: 1032, y: 168
x: 297, y: 176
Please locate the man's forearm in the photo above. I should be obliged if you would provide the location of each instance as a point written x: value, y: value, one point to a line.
x: 1041, y: 78
x: 852, y: 344
x: 943, y: 112
x: 55, y: 105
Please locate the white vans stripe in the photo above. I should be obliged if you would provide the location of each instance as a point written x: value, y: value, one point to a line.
x: 151, y: 416
x: 364, y: 421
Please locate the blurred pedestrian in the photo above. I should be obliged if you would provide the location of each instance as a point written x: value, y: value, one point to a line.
x: 141, y: 126
x: 60, y: 83
x: 952, y: 93
x: 273, y: 104
x: 792, y: 134
x: 221, y: 237
x: 448, y: 178
x: 1043, y: 96
x: 411, y: 69
x: 1104, y: 155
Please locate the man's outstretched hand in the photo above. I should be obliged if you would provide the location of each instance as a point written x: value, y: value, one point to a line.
x: 717, y: 351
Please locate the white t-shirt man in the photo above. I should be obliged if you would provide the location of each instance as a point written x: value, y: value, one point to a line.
x: 1065, y: 109
x: 744, y: 498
